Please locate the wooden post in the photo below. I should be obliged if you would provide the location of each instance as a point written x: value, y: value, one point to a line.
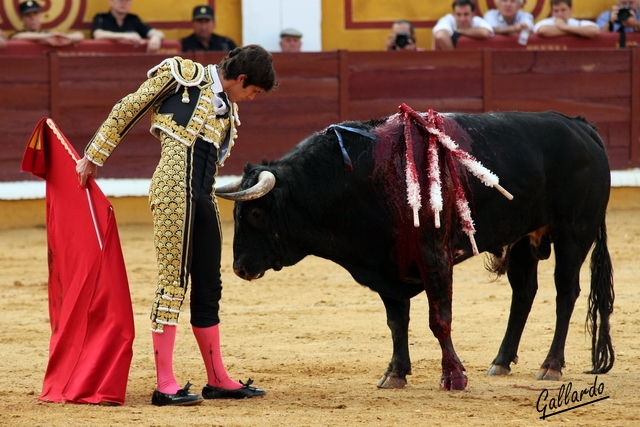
x: 487, y: 77
x: 635, y: 109
x: 343, y: 82
x: 54, y: 85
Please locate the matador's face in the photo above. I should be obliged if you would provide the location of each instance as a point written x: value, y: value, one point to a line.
x: 237, y: 92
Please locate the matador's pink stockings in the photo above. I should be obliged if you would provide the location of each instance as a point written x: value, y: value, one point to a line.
x: 209, y: 343
x: 163, y: 345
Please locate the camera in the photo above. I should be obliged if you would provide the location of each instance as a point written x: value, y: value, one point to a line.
x: 402, y: 39
x: 624, y: 13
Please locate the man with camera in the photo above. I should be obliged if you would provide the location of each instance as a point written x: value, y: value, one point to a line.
x: 402, y: 36
x: 623, y: 16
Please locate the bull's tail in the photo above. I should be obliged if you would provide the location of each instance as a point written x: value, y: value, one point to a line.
x: 601, y: 305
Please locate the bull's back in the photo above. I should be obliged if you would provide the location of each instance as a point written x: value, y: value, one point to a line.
x: 555, y: 166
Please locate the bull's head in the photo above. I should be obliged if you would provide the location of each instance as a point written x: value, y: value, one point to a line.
x: 256, y: 242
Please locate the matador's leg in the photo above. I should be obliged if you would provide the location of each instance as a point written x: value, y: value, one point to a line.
x: 172, y: 210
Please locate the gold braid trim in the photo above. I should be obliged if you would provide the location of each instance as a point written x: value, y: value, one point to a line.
x: 127, y: 112
x: 168, y: 202
x: 57, y: 133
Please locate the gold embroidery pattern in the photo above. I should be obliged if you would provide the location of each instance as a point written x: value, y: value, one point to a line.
x: 203, y: 123
x: 164, y: 123
x: 188, y: 69
x: 128, y: 110
x: 199, y: 119
x: 168, y: 198
x: 215, y: 130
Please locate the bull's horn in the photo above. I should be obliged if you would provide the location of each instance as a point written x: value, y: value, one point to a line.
x: 266, y: 181
x: 230, y: 187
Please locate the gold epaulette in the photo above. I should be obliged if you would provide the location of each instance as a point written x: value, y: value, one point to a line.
x: 186, y: 72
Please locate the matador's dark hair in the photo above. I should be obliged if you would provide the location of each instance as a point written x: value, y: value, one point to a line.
x: 254, y: 61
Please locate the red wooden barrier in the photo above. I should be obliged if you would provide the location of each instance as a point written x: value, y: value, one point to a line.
x: 604, y: 40
x: 24, y: 47
x: 319, y: 89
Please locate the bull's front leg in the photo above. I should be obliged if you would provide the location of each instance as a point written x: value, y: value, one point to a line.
x: 439, y: 286
x: 398, y: 322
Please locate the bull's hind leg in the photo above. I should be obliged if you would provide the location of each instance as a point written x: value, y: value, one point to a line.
x: 398, y: 322
x: 523, y: 278
x: 571, y: 250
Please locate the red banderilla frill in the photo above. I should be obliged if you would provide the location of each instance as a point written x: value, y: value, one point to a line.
x: 451, y: 151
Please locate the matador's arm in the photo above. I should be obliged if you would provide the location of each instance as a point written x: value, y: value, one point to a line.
x: 128, y: 111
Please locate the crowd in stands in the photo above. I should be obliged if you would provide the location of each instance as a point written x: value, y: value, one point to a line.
x: 118, y: 25
x: 507, y: 19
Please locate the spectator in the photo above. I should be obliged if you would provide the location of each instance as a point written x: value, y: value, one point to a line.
x: 508, y: 18
x: 195, y: 117
x: 402, y: 37
x: 203, y: 37
x: 609, y: 20
x: 462, y: 22
x: 562, y: 24
x: 290, y: 40
x: 120, y: 25
x: 30, y: 15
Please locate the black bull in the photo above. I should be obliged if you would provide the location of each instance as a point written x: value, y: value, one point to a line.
x: 341, y: 194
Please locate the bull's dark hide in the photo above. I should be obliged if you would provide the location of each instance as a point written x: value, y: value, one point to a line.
x: 555, y: 167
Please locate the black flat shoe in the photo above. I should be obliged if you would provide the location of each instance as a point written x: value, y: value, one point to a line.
x: 181, y: 398
x: 246, y: 391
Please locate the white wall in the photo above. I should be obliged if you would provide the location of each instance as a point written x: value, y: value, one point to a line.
x: 262, y: 21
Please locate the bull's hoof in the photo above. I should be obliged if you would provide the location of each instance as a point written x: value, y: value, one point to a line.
x: 495, y: 370
x: 454, y: 382
x: 391, y: 381
x: 549, y: 375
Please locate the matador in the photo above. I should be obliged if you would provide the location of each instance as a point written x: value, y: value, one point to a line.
x: 195, y: 116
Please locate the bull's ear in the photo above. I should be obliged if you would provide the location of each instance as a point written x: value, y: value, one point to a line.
x: 266, y: 181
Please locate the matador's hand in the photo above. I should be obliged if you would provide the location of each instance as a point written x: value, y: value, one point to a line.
x: 84, y: 169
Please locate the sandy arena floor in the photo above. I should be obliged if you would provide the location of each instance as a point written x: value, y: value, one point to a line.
x: 318, y: 342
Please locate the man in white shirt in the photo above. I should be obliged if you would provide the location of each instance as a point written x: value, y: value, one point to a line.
x: 462, y: 22
x: 562, y: 24
x: 507, y: 18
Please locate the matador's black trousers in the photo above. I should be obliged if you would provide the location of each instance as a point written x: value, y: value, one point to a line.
x: 187, y: 233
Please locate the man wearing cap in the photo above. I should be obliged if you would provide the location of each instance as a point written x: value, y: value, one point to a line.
x: 290, y: 40
x: 120, y: 25
x: 31, y: 14
x: 203, y: 37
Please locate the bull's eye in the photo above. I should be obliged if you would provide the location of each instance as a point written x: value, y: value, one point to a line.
x: 255, y: 217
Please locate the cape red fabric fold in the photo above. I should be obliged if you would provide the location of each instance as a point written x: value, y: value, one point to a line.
x: 89, y: 301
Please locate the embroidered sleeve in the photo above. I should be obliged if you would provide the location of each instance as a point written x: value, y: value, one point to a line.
x: 126, y: 113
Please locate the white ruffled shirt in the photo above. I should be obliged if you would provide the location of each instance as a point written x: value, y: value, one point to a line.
x: 218, y: 100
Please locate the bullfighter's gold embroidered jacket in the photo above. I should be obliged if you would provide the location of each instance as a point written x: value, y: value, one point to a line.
x: 202, y: 111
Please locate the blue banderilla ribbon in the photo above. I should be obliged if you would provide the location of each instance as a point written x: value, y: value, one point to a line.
x: 345, y: 156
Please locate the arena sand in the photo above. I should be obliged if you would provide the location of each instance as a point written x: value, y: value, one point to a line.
x: 318, y: 342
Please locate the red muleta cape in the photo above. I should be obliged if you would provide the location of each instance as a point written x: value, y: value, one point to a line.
x: 90, y: 309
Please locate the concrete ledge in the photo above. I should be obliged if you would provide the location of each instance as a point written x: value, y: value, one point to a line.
x: 135, y: 210
x: 129, y: 210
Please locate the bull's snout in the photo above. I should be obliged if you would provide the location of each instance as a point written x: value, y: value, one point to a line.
x: 242, y: 273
